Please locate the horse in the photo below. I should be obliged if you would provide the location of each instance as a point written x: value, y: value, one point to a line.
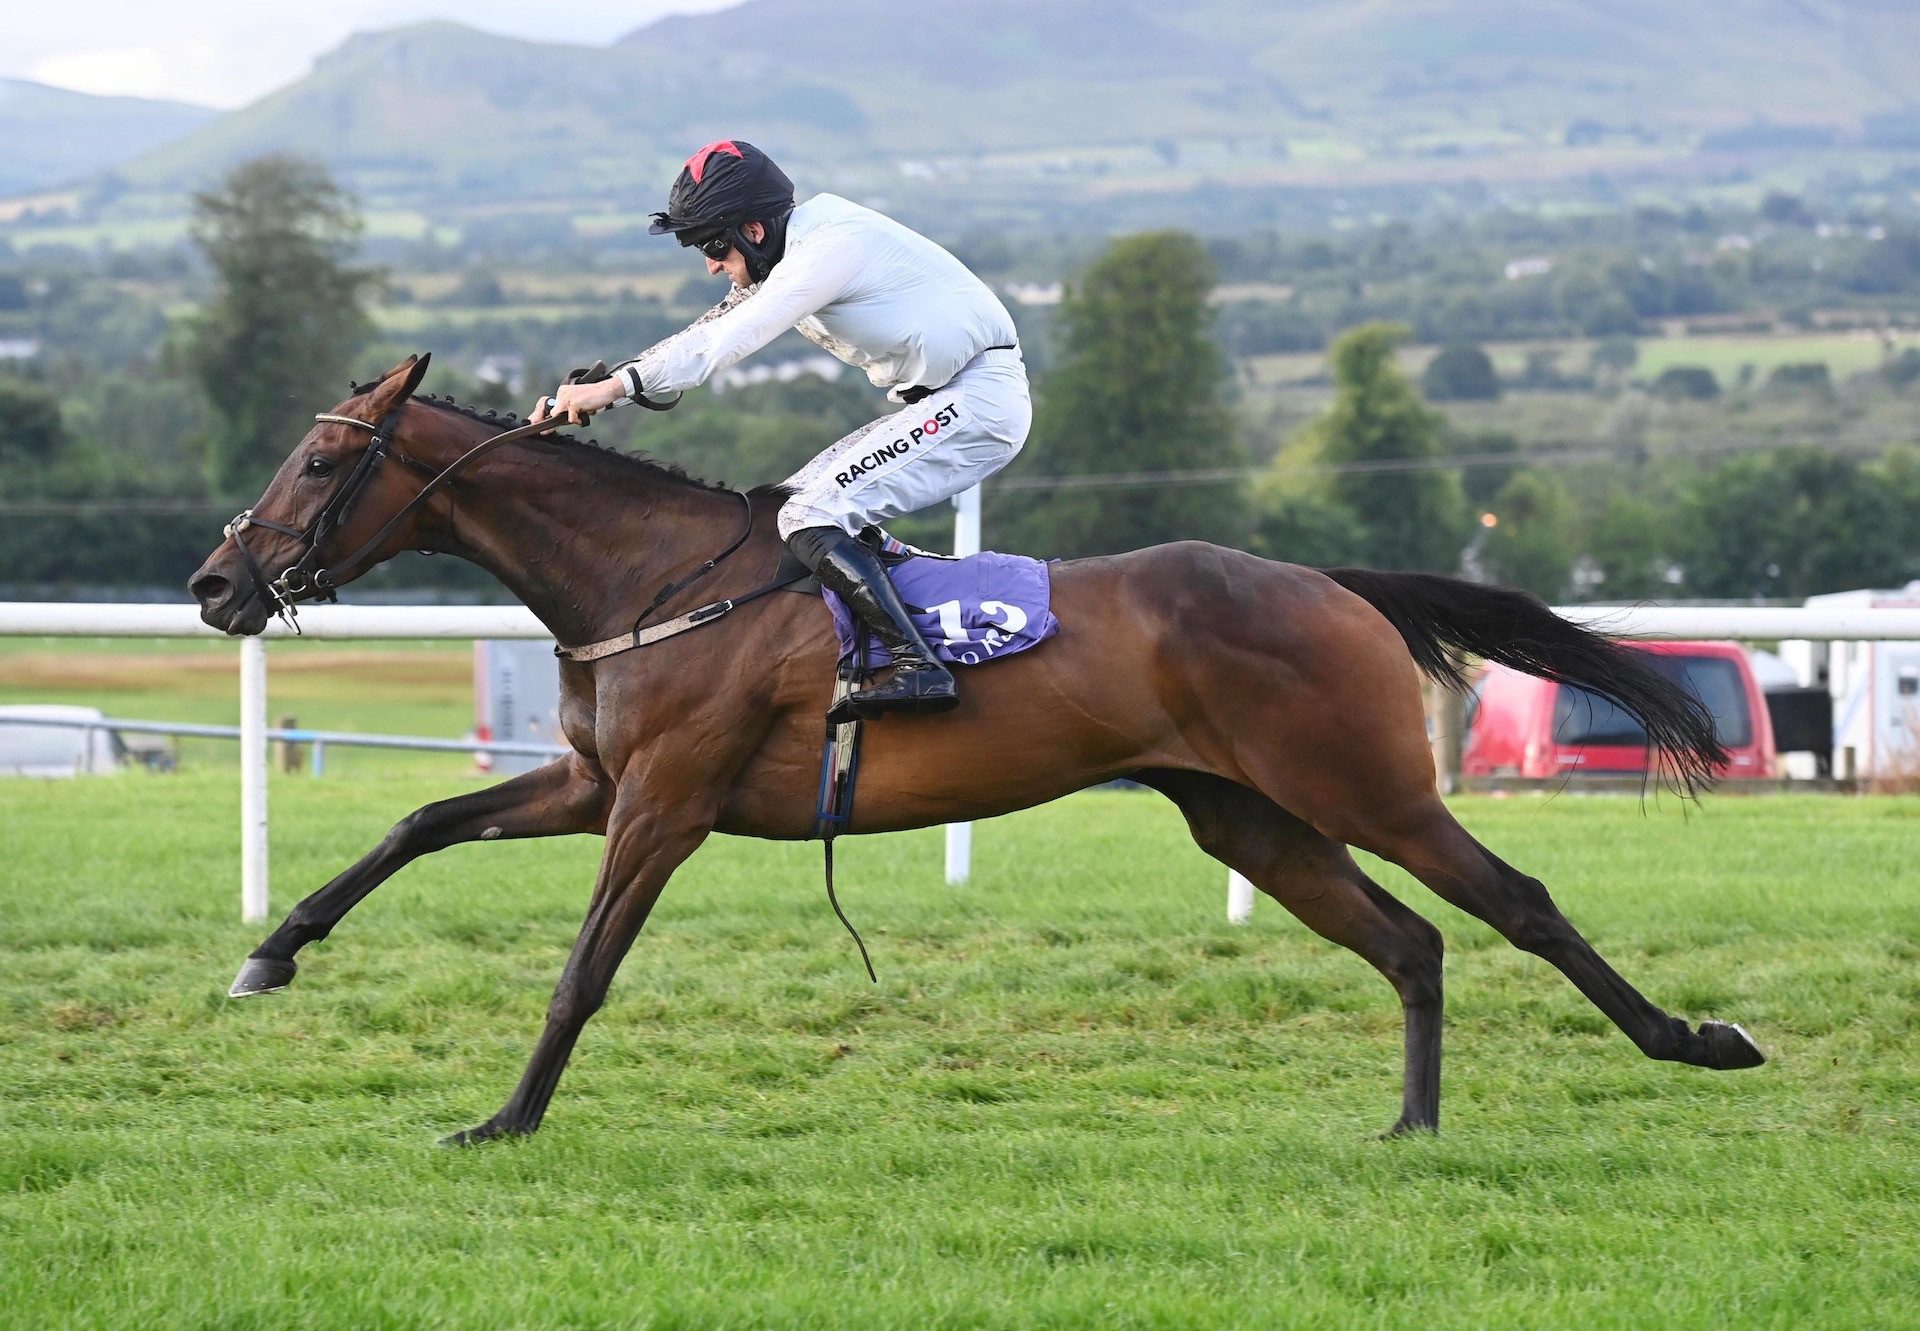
x: 1278, y: 707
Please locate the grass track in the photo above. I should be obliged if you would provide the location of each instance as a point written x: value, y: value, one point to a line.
x: 1077, y: 1096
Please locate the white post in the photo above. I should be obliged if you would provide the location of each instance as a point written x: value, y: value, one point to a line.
x: 1239, y: 899
x: 966, y: 541
x: 959, y: 853
x: 966, y: 522
x: 253, y: 779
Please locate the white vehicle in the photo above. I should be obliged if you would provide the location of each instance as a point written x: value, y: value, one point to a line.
x: 516, y: 699
x: 1875, y: 687
x: 43, y: 750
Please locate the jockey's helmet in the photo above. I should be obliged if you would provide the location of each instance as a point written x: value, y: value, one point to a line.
x: 722, y: 187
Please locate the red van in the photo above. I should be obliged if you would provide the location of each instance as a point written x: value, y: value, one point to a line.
x: 1518, y: 725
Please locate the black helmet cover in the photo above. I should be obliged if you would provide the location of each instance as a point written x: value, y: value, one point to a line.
x: 722, y: 187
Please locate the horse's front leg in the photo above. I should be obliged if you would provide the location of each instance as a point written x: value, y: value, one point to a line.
x: 649, y: 834
x: 568, y: 795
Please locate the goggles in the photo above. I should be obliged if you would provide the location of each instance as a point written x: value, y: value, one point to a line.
x: 716, y: 245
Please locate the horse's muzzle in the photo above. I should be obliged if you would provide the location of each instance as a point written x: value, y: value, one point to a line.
x: 226, y: 607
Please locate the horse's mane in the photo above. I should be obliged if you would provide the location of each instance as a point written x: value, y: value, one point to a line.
x: 651, y: 468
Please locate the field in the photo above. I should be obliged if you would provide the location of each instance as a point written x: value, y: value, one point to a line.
x: 1076, y: 1097
x: 1844, y: 353
x: 405, y: 688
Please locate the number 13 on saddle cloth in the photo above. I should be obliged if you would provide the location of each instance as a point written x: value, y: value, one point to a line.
x: 969, y: 610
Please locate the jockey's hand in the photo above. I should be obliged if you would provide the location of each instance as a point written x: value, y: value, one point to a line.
x: 576, y: 402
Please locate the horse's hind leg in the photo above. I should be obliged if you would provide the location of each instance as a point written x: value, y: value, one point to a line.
x: 564, y: 796
x: 1318, y: 881
x: 1425, y: 840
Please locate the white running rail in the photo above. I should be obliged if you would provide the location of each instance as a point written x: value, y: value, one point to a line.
x: 38, y: 619
x: 339, y: 622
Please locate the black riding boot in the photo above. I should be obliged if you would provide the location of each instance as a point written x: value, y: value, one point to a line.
x: 920, y: 684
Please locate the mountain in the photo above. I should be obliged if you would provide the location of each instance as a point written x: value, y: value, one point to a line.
x: 54, y: 136
x: 1081, y: 98
x: 1043, y: 73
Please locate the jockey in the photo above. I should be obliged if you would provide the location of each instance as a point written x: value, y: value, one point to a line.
x: 881, y: 298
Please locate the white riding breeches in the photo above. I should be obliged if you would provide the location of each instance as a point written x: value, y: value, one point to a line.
x: 954, y: 438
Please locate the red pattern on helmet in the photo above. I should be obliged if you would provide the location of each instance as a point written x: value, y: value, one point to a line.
x: 697, y: 164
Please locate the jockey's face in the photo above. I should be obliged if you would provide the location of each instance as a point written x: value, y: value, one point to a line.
x: 735, y: 264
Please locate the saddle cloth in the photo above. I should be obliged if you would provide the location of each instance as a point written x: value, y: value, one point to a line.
x: 969, y: 610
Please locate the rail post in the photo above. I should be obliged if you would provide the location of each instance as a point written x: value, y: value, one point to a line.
x: 253, y: 779
x: 286, y: 752
x: 1239, y: 898
x: 966, y: 541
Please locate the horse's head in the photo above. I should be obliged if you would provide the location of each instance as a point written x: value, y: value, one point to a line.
x: 330, y: 497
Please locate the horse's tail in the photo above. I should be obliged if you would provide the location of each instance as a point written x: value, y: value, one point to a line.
x: 1447, y: 620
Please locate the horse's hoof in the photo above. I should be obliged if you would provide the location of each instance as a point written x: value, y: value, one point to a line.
x: 1729, y: 1047
x: 1408, y: 1128
x: 261, y: 975
x: 486, y: 1132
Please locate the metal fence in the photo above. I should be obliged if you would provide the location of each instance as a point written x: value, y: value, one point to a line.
x: 318, y: 739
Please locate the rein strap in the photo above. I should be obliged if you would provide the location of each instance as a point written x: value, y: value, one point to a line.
x: 348, y: 567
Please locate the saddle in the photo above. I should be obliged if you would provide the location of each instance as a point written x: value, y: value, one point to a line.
x: 970, y: 610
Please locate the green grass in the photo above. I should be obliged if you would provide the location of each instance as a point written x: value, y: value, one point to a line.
x: 1843, y: 353
x: 1077, y: 1096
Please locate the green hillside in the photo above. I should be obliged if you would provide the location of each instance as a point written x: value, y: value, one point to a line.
x: 1085, y: 98
x: 53, y: 136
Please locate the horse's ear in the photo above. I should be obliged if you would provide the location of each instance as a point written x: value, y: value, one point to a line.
x: 398, y: 384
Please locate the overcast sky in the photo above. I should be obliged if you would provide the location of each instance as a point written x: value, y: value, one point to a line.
x: 229, y: 52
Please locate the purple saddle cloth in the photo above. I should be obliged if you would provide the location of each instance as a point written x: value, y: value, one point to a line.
x: 969, y: 610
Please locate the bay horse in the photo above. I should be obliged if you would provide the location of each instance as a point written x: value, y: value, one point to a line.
x: 1278, y: 707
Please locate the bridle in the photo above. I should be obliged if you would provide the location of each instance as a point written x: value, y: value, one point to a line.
x: 304, y: 580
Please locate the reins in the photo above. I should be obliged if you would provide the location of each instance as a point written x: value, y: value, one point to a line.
x: 693, y: 619
x: 333, y: 576
x: 304, y: 581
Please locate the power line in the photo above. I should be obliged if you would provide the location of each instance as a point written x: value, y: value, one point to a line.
x: 1572, y: 453
x: 1117, y: 480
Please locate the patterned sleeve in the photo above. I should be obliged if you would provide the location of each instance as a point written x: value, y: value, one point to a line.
x: 628, y: 372
x: 808, y: 279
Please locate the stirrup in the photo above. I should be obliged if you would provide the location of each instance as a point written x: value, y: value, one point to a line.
x: 916, y: 689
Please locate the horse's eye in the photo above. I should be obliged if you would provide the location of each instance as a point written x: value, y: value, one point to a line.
x: 319, y: 466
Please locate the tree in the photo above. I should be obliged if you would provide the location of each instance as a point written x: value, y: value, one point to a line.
x: 1682, y: 382
x: 287, y: 316
x: 1795, y: 522
x: 1531, y: 544
x: 1630, y: 540
x: 1460, y: 373
x: 1809, y: 378
x: 1903, y: 369
x: 1618, y: 354
x: 31, y: 432
x: 1139, y: 387
x: 477, y: 288
x: 1485, y: 478
x: 1389, y: 441
x: 1307, y: 529
x: 1785, y: 209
